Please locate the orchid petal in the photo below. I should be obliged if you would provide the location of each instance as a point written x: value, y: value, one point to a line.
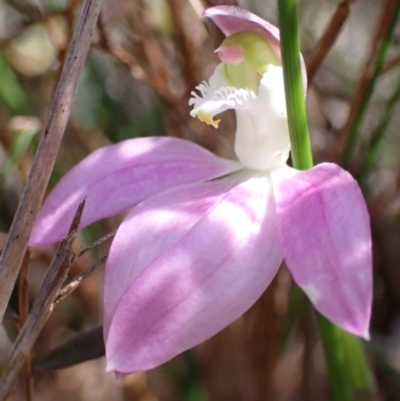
x: 324, y: 233
x: 232, y: 19
x: 119, y: 176
x: 184, y: 264
x: 217, y: 96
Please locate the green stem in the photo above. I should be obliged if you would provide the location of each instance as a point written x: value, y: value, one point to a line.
x: 335, y: 358
x: 338, y: 357
x: 356, y: 362
x: 295, y: 105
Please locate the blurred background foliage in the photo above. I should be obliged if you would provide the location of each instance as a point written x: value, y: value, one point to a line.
x: 147, y: 57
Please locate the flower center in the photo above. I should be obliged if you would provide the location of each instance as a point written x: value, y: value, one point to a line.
x: 250, y: 81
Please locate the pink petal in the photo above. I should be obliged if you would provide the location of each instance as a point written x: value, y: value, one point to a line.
x: 119, y: 176
x: 232, y: 19
x: 183, y: 265
x: 323, y: 229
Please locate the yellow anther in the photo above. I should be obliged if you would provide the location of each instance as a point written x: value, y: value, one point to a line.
x: 207, y: 118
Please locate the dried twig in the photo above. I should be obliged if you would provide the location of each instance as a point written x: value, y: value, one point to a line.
x: 74, y: 284
x: 186, y: 48
x: 23, y: 290
x: 98, y: 242
x: 328, y: 38
x: 119, y: 53
x: 157, y: 70
x: 367, y: 75
x: 393, y: 63
x: 23, y: 309
x: 42, y: 307
x: 32, y: 197
x: 88, y: 272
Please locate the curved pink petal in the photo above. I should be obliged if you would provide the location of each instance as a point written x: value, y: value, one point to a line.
x: 232, y: 19
x: 324, y: 233
x: 119, y: 176
x: 185, y: 264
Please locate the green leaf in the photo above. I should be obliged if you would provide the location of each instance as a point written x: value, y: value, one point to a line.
x: 11, y: 92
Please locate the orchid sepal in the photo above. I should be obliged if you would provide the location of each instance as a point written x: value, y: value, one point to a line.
x: 324, y: 233
x: 191, y: 284
x: 116, y: 177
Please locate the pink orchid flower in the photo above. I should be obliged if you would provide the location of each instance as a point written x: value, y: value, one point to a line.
x: 207, y: 235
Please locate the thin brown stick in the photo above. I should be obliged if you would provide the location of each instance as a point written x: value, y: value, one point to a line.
x: 185, y: 46
x: 32, y: 197
x: 23, y: 310
x: 98, y: 242
x: 155, y: 58
x: 391, y: 64
x: 76, y: 282
x: 387, y: 12
x: 328, y: 38
x: 119, y: 53
x: 23, y: 290
x: 42, y: 306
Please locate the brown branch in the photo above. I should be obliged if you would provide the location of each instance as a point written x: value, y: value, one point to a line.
x: 76, y: 282
x: 157, y: 71
x: 119, y: 53
x: 186, y: 48
x: 23, y: 309
x: 387, y: 12
x: 391, y: 64
x: 23, y: 290
x: 145, y: 73
x: 42, y: 307
x: 98, y: 242
x: 328, y: 39
x: 32, y: 197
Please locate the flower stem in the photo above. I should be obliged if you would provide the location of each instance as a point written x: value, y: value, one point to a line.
x: 340, y: 359
x: 360, y: 376
x: 335, y: 358
x: 295, y: 105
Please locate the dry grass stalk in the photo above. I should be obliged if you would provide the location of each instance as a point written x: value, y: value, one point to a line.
x: 391, y: 64
x: 23, y: 311
x: 42, y: 306
x: 328, y: 39
x: 60, y: 110
x: 186, y: 47
x: 359, y: 95
x: 74, y: 284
